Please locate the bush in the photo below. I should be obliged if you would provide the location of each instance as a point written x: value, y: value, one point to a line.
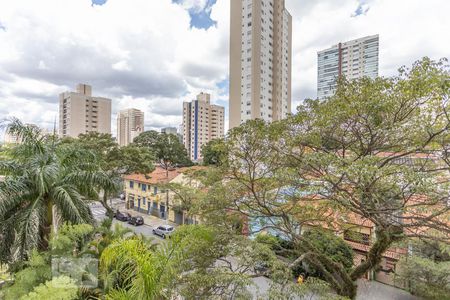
x: 329, y: 244
x: 36, y: 271
x: 424, y: 277
x: 59, y: 288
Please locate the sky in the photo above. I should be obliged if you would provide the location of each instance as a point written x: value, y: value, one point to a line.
x: 153, y: 55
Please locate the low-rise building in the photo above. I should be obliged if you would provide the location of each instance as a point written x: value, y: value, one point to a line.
x: 179, y: 209
x: 144, y: 193
x: 149, y: 194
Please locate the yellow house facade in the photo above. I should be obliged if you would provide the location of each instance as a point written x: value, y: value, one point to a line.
x: 145, y: 193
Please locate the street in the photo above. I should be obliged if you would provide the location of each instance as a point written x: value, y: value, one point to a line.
x: 150, y: 222
x: 367, y: 290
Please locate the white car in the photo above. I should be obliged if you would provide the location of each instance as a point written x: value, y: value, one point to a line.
x: 164, y: 231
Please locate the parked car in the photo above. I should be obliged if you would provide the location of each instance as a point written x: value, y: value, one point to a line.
x: 124, y: 217
x: 136, y: 221
x: 164, y: 231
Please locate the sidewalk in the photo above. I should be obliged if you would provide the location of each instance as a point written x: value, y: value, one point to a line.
x: 373, y: 290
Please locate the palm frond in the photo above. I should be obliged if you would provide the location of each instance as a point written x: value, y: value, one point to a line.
x: 10, y: 167
x: 27, y: 232
x: 31, y: 136
x: 98, y: 179
x: 71, y: 205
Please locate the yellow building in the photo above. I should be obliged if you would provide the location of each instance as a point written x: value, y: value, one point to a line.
x: 148, y: 194
x: 144, y: 193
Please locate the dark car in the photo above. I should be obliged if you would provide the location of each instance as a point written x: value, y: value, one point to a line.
x: 124, y: 217
x: 136, y: 221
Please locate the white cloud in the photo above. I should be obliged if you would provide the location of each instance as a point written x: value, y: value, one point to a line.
x: 195, y: 5
x: 140, y: 53
x: 408, y: 29
x: 145, y: 54
x: 121, y: 66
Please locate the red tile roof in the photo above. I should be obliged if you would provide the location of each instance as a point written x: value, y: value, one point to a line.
x: 160, y: 175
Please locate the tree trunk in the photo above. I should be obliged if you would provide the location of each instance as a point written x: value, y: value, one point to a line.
x: 333, y: 273
x: 104, y: 202
x: 384, y: 239
x: 344, y: 283
x: 47, y: 228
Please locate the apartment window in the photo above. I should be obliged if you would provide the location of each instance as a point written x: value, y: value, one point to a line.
x: 131, y: 184
x: 144, y: 187
x: 155, y: 190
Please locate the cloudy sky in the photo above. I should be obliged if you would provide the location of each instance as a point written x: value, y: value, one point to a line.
x: 155, y: 54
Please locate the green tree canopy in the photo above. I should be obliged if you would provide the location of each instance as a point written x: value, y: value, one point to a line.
x: 214, y: 152
x: 114, y: 160
x: 34, y: 272
x: 426, y: 272
x: 373, y: 151
x: 59, y: 288
x: 168, y: 149
x: 43, y: 179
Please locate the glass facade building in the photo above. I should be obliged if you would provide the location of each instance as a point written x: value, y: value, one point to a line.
x: 353, y: 59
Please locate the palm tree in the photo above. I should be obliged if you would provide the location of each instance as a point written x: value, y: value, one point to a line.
x: 132, y: 270
x: 136, y: 268
x: 44, y: 179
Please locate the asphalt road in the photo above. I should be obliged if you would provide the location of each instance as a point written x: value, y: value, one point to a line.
x: 367, y: 290
x: 99, y: 214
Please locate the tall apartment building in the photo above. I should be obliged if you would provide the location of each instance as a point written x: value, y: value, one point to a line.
x: 202, y: 122
x: 130, y: 123
x: 174, y: 131
x: 353, y: 59
x: 260, y: 61
x: 169, y: 130
x: 80, y: 112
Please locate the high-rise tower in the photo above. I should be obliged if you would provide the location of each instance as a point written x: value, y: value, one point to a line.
x: 352, y: 59
x: 260, y: 61
x: 202, y: 122
x: 80, y: 112
x: 130, y: 123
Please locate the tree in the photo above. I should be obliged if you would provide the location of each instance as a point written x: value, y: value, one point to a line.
x: 167, y: 148
x: 330, y: 245
x: 115, y: 161
x: 213, y: 152
x: 426, y: 272
x: 35, y: 271
x: 373, y: 151
x: 149, y: 139
x: 198, y: 262
x: 70, y: 238
x: 43, y: 180
x: 59, y: 288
